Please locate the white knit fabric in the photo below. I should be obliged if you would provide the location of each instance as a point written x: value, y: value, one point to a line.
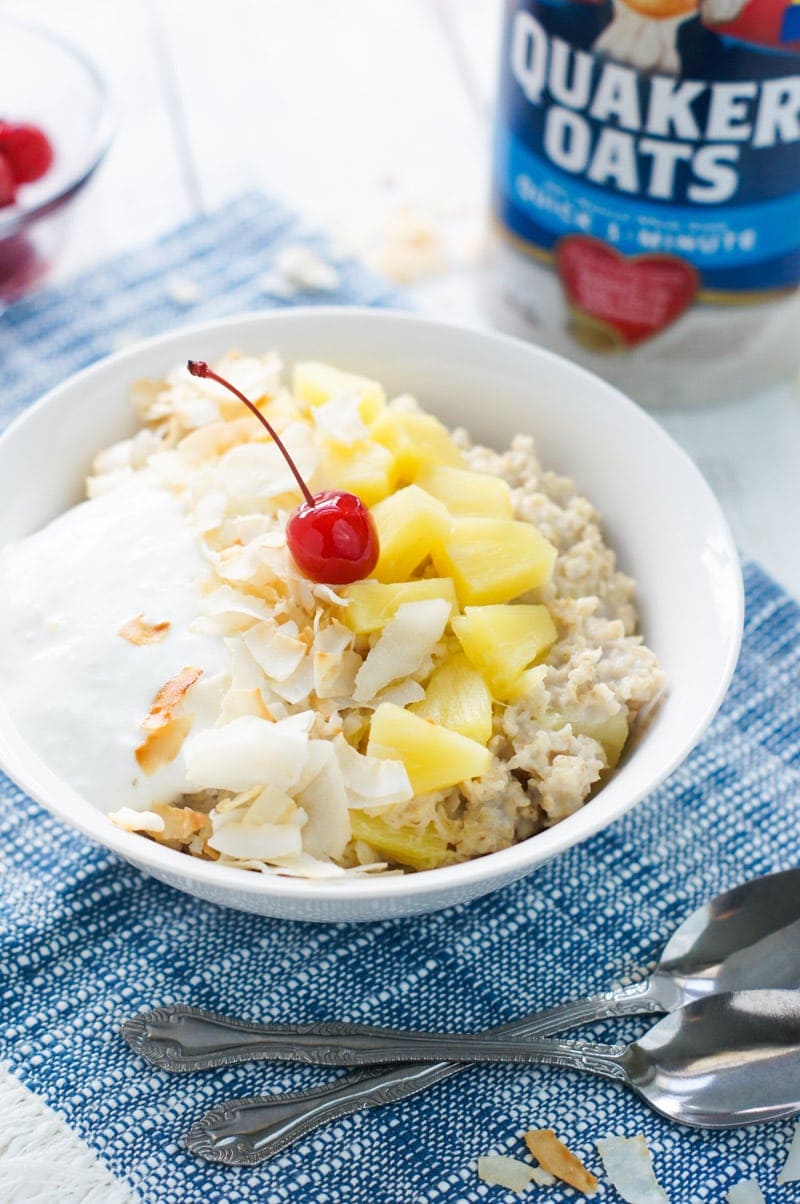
x: 42, y: 1161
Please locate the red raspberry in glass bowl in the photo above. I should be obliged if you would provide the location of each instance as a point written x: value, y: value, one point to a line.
x: 26, y: 149
x: 8, y: 183
x: 55, y: 127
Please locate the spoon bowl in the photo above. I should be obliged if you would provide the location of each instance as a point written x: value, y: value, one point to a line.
x: 744, y: 939
x: 723, y: 1061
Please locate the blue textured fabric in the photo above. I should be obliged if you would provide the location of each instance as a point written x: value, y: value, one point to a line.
x: 86, y: 941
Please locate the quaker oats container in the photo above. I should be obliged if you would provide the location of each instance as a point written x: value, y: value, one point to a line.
x: 646, y: 190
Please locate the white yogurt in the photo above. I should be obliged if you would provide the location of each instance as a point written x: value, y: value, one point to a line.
x: 76, y: 689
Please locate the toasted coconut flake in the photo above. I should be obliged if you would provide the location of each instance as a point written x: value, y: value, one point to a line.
x: 245, y: 752
x: 335, y: 663
x: 317, y: 756
x: 302, y: 269
x: 169, y: 697
x: 297, y: 687
x: 324, y: 800
x: 791, y: 1167
x: 629, y: 1166
x: 554, y: 1157
x: 325, y: 593
x: 243, y: 799
x: 498, y: 1170
x: 163, y: 744
x: 145, y: 397
x: 335, y: 673
x: 257, y: 376
x: 139, y: 631
x: 206, y: 697
x: 255, y: 472
x: 208, y: 442
x: 209, y: 513
x: 301, y: 721
x: 180, y: 823
x: 306, y: 866
x: 271, y: 806
x: 260, y: 842
x: 371, y: 781
x: 746, y: 1191
x: 277, y: 651
x: 164, y: 731
x: 170, y: 468
x: 373, y: 867
x: 245, y: 673
x: 137, y: 821
x: 333, y: 639
x: 226, y: 611
x: 238, y: 702
x: 401, y: 694
x: 226, y: 600
x: 340, y: 418
x: 543, y: 1178
x: 406, y: 640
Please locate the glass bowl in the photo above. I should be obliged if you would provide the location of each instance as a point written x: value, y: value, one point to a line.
x: 50, y: 83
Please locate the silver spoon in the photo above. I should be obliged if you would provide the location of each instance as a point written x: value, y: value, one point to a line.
x: 748, y: 937
x: 720, y: 1062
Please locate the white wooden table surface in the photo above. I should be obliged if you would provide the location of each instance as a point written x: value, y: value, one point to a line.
x: 350, y: 110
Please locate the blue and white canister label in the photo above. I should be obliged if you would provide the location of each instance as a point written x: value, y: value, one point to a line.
x: 649, y: 151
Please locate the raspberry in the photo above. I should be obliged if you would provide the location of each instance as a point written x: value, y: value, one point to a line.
x: 26, y: 149
x: 8, y: 183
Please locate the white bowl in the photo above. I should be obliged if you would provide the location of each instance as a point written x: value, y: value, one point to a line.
x: 659, y: 515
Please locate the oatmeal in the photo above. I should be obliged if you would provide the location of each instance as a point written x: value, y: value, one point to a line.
x: 474, y: 689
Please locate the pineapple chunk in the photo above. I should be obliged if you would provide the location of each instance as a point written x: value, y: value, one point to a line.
x: 363, y: 468
x: 457, y: 697
x: 530, y: 681
x: 373, y: 604
x: 434, y: 757
x: 501, y: 641
x: 407, y: 846
x: 415, y: 440
x: 493, y: 559
x: 409, y: 523
x: 318, y: 383
x: 611, y: 733
x: 467, y: 493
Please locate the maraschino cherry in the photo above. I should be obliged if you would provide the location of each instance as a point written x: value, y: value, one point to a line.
x: 332, y: 535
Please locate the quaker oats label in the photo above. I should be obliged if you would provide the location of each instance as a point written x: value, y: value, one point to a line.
x: 648, y: 152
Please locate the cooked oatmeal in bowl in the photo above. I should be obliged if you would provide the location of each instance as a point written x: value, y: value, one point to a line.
x: 473, y: 690
x: 362, y: 744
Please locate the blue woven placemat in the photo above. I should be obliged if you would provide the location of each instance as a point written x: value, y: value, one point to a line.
x: 86, y: 941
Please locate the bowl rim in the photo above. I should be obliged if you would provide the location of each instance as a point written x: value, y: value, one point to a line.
x: 25, y: 768
x: 18, y: 218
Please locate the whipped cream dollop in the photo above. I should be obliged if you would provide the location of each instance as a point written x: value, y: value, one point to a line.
x: 77, y: 690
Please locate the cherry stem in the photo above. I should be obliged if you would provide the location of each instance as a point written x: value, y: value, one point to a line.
x: 201, y: 368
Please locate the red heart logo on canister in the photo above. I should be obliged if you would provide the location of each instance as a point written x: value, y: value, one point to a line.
x: 618, y: 301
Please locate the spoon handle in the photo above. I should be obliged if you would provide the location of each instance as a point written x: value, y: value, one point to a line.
x: 248, y: 1131
x: 244, y: 1132
x: 181, y: 1038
